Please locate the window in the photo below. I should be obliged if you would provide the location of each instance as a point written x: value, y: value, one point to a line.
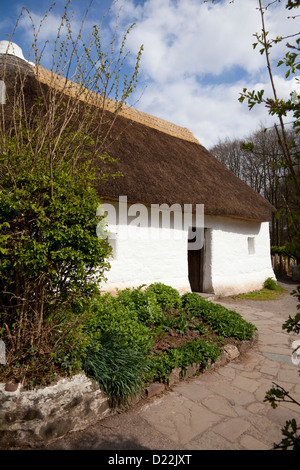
x: 251, y: 246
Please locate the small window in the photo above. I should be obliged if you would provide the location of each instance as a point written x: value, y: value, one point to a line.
x: 251, y: 246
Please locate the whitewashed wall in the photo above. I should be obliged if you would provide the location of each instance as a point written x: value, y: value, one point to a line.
x: 146, y: 252
x: 143, y: 255
x: 233, y: 267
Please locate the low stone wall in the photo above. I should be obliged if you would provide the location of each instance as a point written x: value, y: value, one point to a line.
x: 35, y: 417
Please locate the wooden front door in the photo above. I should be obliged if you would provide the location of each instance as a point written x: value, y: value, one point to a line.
x: 195, y: 268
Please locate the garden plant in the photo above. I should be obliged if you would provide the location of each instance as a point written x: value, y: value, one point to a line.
x: 141, y: 334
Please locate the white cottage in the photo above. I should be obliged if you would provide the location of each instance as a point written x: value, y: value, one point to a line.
x: 171, y: 186
x: 177, y: 215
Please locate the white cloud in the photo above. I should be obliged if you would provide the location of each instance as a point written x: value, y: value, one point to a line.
x: 189, y: 49
x: 197, y: 58
x: 192, y: 37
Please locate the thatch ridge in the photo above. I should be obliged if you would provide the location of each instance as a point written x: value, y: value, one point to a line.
x: 49, y: 78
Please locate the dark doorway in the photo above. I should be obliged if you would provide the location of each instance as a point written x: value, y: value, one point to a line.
x: 195, y: 265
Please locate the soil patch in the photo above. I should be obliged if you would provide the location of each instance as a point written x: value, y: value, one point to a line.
x: 171, y: 339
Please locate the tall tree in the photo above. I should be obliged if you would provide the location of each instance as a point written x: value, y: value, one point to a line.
x: 256, y: 159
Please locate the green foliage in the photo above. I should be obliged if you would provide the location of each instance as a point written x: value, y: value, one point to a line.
x: 176, y: 320
x: 51, y: 158
x: 144, y: 302
x: 290, y: 250
x: 198, y: 351
x: 278, y: 250
x: 291, y: 439
x: 290, y: 431
x: 270, y: 284
x: 224, y: 322
x: 54, y: 236
x: 228, y: 323
x: 137, y: 317
x: 108, y: 313
x: 292, y: 324
x: 166, y: 296
x: 50, y: 254
x: 119, y: 370
x: 193, y: 304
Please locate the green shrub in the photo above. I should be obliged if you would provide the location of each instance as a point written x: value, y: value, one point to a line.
x: 50, y: 259
x: 144, y: 303
x: 270, y: 284
x: 227, y: 323
x: 118, y: 370
x: 167, y: 297
x: 110, y: 314
x: 193, y: 304
x: 198, y: 351
x: 224, y: 322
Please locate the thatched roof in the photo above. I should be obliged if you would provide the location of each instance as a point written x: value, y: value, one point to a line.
x: 160, y: 168
x: 164, y: 163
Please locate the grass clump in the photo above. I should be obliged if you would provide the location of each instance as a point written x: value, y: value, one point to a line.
x: 120, y: 371
x: 270, y: 291
x: 271, y: 284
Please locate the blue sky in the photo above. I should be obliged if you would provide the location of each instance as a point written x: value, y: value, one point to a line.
x: 197, y: 56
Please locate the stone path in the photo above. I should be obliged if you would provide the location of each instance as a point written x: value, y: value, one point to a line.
x: 221, y: 409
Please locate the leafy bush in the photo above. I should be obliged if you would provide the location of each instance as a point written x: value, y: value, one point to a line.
x: 144, y: 303
x: 227, y: 323
x: 196, y: 351
x: 118, y: 370
x: 168, y: 297
x: 51, y: 160
x: 270, y: 284
x: 50, y: 256
x: 193, y: 304
x: 110, y: 314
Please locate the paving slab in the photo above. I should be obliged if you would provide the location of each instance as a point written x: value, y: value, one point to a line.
x: 232, y: 429
x: 251, y: 443
x: 179, y: 418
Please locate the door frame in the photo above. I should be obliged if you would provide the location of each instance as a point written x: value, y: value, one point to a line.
x: 196, y: 266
